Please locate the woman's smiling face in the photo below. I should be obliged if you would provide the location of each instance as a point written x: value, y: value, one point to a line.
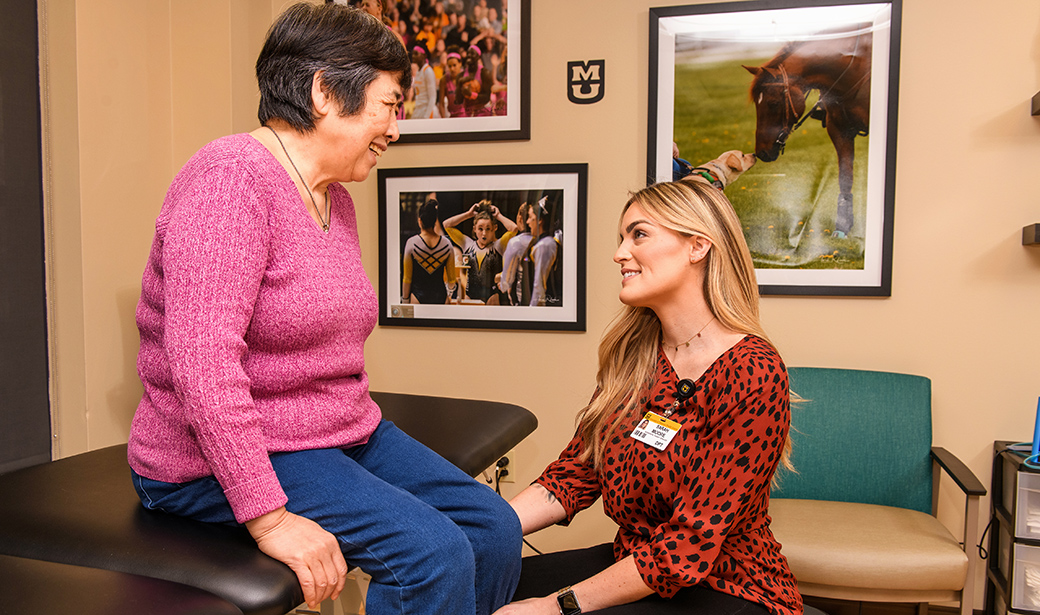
x: 656, y: 262
x: 360, y: 140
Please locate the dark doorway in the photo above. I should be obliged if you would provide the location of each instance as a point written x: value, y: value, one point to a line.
x: 25, y: 424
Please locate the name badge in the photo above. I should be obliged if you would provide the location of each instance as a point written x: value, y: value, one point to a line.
x: 656, y: 430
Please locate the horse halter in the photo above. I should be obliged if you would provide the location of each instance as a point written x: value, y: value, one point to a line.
x: 789, y: 109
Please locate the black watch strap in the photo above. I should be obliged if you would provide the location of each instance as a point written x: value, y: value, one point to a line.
x: 568, y: 602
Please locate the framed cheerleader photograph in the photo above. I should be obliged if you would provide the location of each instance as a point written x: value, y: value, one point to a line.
x: 483, y: 247
x: 471, y: 73
x: 790, y: 107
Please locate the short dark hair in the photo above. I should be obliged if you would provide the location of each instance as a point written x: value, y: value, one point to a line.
x: 428, y: 215
x: 350, y: 48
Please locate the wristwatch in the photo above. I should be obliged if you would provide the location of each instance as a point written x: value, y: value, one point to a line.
x: 568, y: 602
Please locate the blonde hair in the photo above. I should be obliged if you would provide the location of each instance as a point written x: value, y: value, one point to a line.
x: 628, y: 350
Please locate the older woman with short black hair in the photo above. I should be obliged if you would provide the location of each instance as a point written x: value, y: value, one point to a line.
x: 253, y: 316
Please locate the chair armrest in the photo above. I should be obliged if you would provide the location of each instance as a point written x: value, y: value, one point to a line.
x: 973, y: 490
x: 959, y: 472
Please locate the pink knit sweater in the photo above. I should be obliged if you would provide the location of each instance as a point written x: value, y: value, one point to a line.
x: 253, y: 323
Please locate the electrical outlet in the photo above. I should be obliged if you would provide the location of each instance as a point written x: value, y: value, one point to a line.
x: 507, y: 471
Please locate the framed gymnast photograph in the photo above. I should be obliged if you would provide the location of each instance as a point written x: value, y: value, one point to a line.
x: 483, y: 247
x: 472, y: 80
x: 790, y: 107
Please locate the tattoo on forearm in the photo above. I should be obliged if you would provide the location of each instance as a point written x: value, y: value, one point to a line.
x: 549, y: 497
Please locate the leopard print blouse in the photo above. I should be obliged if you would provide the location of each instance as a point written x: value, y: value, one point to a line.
x: 697, y: 512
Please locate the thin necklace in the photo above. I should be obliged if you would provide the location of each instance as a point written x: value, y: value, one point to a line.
x: 328, y: 214
x: 697, y: 334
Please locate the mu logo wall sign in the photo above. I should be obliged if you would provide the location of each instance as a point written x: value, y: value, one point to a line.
x: 585, y: 81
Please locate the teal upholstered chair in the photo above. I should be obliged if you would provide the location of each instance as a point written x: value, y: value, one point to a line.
x: 856, y: 519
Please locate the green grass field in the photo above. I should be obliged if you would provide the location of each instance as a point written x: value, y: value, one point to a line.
x: 787, y: 206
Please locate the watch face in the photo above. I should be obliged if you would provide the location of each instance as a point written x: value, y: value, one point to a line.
x: 568, y: 603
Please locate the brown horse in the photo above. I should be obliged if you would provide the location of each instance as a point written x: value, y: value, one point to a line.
x: 837, y: 65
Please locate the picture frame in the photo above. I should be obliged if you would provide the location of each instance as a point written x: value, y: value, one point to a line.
x: 779, y: 78
x: 503, y: 118
x: 541, y: 274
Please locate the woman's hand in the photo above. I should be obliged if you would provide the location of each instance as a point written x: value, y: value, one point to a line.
x: 531, y: 606
x: 301, y: 544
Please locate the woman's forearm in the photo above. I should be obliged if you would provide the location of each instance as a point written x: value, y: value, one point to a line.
x: 457, y: 219
x: 537, y: 509
x: 506, y: 222
x: 617, y: 585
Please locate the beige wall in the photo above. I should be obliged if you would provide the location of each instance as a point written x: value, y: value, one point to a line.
x: 132, y: 88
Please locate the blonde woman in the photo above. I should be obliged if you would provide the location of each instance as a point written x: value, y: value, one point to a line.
x: 684, y: 464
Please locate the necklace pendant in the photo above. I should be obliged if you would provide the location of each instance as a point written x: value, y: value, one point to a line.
x: 325, y: 227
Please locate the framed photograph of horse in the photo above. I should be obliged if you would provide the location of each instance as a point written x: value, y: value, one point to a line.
x: 473, y: 77
x: 810, y: 88
x: 486, y: 247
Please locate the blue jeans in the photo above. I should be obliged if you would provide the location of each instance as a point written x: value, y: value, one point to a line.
x: 433, y: 539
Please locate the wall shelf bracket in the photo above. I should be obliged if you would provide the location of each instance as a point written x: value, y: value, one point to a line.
x: 1031, y: 235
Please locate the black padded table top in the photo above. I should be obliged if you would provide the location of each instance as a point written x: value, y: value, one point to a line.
x: 471, y: 434
x: 83, y: 511
x: 34, y: 586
